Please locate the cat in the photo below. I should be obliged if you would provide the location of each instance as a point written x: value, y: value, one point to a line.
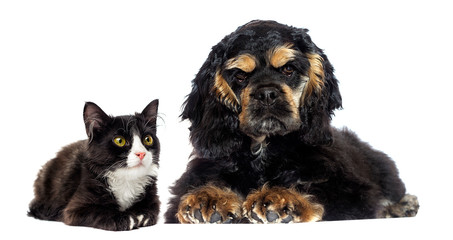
x: 107, y: 181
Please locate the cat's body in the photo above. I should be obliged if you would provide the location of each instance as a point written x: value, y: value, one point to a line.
x: 107, y: 181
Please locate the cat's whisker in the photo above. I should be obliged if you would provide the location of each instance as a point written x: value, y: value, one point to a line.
x: 111, y: 168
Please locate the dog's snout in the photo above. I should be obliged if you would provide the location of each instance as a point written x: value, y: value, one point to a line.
x: 267, y: 95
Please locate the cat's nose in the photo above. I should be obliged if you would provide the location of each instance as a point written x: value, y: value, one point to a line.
x: 140, y: 155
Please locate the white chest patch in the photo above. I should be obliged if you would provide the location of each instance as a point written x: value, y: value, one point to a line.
x: 128, y: 183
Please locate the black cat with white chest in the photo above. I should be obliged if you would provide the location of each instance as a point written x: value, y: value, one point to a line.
x: 107, y: 181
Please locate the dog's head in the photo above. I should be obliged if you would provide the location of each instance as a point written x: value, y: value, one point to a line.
x: 262, y: 80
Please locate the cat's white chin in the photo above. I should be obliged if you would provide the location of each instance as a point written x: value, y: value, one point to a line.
x: 142, y: 169
x: 138, y: 165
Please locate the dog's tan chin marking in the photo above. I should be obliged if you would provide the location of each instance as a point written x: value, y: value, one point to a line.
x: 259, y: 139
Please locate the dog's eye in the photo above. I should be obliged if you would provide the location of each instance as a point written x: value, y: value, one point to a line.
x: 287, y: 70
x: 241, y: 76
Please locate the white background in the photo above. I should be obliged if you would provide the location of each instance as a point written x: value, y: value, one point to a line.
x: 393, y: 60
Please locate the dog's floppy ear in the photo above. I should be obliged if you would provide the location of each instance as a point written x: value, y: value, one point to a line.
x: 214, y: 123
x: 321, y: 95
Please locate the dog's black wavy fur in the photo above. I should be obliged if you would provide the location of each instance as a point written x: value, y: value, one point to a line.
x: 347, y: 176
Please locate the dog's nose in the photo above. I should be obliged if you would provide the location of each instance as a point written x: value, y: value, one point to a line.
x: 267, y: 95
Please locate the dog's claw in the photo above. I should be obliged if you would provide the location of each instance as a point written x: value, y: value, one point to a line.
x: 216, y: 217
x: 197, y: 214
x: 271, y: 216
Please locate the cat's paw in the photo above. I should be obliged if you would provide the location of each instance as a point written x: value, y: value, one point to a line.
x: 141, y: 220
x: 126, y: 222
x: 108, y: 220
x: 209, y: 204
x: 118, y: 223
x: 280, y: 205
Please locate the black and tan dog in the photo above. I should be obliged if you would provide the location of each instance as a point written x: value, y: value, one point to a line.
x: 264, y: 150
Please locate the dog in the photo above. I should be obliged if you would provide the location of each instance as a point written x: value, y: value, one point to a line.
x: 264, y: 149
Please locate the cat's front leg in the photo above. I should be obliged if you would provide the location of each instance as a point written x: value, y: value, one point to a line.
x: 102, y: 217
x: 147, y: 209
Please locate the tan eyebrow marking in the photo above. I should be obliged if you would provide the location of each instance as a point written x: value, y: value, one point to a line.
x: 281, y: 55
x: 245, y: 62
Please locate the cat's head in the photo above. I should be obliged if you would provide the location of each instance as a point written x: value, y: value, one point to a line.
x: 126, y: 143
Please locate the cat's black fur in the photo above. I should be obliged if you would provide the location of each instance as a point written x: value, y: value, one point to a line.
x: 73, y: 187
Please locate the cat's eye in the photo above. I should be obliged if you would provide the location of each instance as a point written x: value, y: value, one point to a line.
x: 120, y: 141
x: 148, y: 140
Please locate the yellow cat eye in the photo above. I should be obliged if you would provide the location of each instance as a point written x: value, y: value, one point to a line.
x: 148, y: 140
x: 120, y: 141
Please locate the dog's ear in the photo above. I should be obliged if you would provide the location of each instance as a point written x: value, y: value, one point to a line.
x: 214, y: 122
x: 321, y: 95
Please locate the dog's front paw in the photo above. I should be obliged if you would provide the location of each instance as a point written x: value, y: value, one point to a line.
x: 280, y: 205
x: 209, y: 204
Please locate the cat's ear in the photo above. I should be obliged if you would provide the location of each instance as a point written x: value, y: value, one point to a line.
x: 95, y: 119
x: 150, y: 112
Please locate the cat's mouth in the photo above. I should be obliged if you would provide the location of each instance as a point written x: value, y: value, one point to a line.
x: 138, y: 159
x: 138, y: 165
